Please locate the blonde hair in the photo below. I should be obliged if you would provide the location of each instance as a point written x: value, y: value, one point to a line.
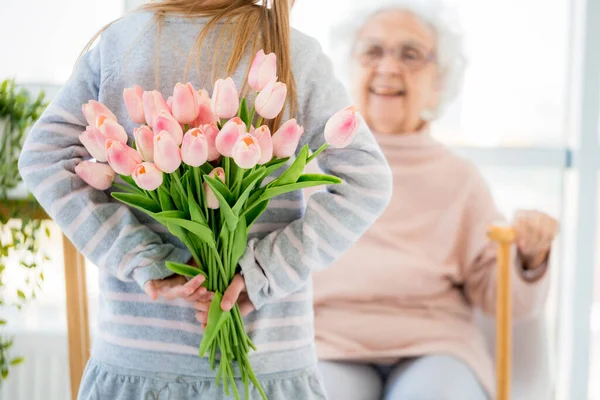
x: 258, y: 26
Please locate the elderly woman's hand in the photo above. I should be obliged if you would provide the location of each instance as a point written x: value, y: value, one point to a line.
x: 535, y: 232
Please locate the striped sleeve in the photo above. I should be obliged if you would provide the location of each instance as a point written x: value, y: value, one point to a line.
x: 105, y: 231
x: 335, y: 218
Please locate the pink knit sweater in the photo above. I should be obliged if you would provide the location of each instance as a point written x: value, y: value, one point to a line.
x: 409, y: 286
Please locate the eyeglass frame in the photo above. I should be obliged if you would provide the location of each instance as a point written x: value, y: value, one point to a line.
x: 397, y: 53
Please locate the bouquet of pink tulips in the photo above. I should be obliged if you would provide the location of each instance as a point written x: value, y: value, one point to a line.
x: 198, y: 166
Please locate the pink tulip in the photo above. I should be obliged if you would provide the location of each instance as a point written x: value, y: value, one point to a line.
x: 229, y: 135
x: 262, y: 71
x: 271, y: 99
x: 167, y: 155
x: 246, y: 152
x: 94, y: 142
x: 342, y: 127
x: 205, y: 112
x: 144, y: 142
x: 225, y: 100
x: 147, y: 176
x: 93, y: 109
x: 97, y: 175
x: 135, y: 104
x: 211, y: 131
x: 166, y: 122
x: 122, y: 158
x: 194, y: 150
x: 265, y: 142
x: 154, y: 103
x: 111, y: 129
x: 285, y: 140
x: 170, y: 104
x: 211, y: 200
x: 185, y: 103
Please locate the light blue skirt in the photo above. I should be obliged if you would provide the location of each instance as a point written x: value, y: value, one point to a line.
x: 102, y: 381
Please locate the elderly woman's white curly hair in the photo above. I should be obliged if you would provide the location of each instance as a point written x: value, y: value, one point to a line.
x: 450, y: 50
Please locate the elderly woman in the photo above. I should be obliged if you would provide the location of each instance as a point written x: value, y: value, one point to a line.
x: 394, y: 316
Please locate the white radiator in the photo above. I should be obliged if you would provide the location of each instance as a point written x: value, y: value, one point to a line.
x: 44, y: 375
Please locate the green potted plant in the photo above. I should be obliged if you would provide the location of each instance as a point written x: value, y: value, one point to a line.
x: 19, y: 233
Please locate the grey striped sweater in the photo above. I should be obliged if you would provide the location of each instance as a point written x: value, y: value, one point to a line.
x: 292, y: 237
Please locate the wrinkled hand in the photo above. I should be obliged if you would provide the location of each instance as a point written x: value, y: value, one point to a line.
x: 535, y: 232
x: 236, y: 292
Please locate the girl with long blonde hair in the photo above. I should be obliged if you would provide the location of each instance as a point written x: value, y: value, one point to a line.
x: 146, y: 348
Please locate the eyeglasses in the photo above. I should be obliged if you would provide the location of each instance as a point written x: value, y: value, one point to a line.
x: 413, y: 56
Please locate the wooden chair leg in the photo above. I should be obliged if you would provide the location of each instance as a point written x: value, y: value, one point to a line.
x: 77, y: 314
x: 505, y: 236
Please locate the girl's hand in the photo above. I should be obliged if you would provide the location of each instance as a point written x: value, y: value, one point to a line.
x: 236, y: 292
x: 177, y: 286
x: 535, y: 232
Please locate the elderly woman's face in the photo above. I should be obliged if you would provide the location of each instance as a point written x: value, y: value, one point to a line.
x: 394, y: 79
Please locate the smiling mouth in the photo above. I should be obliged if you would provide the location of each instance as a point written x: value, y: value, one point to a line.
x: 388, y: 92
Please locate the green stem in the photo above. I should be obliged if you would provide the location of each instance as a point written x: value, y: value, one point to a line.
x: 237, y: 181
x: 253, y: 115
x: 254, y: 379
x: 316, y: 153
x: 223, y: 274
x: 177, y: 180
x: 226, y: 167
x: 259, y: 122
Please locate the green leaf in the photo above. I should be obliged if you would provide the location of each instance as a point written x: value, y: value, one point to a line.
x: 255, y: 212
x: 203, y: 232
x: 21, y: 294
x: 169, y: 214
x: 183, y: 235
x: 195, y: 212
x: 41, y: 276
x: 216, y: 319
x: 292, y: 174
x: 244, y: 113
x: 301, y: 184
x: 206, y: 168
x: 47, y: 231
x: 177, y: 200
x: 248, y: 185
x: 164, y: 197
x: 129, y: 180
x: 2, y: 322
x: 138, y: 201
x: 184, y: 269
x: 273, y: 166
x: 240, y: 240
x: 17, y: 361
x: 230, y: 217
x: 4, y: 373
x: 220, y: 187
x: 127, y: 188
x: 329, y: 179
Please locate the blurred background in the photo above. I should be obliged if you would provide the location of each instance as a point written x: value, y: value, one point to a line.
x: 537, y: 61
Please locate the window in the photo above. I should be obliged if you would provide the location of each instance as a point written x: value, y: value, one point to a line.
x: 41, y: 40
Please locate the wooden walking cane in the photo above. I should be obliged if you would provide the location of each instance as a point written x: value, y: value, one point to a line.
x: 505, y: 236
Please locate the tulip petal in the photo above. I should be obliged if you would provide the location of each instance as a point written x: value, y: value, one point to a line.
x: 285, y: 140
x: 246, y: 152
x: 167, y: 155
x: 122, y: 158
x: 97, y: 175
x: 341, y: 128
x: 135, y: 104
x: 147, y: 176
